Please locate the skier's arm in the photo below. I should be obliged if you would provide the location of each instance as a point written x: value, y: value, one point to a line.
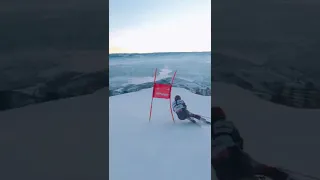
x: 173, y: 106
x: 184, y: 104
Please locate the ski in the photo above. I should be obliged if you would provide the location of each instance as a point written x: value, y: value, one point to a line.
x: 205, y: 121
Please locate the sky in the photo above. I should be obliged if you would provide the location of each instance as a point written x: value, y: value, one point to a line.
x: 143, y: 26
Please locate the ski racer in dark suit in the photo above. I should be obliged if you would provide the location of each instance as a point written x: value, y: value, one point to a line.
x: 228, y: 159
x: 180, y: 108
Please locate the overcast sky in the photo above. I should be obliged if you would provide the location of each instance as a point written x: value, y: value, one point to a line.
x: 160, y: 25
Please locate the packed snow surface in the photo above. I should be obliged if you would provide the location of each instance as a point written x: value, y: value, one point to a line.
x: 273, y: 134
x: 159, y: 149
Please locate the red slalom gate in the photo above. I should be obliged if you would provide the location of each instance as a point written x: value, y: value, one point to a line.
x: 162, y: 91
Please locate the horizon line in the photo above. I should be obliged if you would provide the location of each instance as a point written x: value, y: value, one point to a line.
x: 159, y: 52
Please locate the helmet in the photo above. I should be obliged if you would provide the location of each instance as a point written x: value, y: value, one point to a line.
x: 177, y: 98
x: 218, y: 113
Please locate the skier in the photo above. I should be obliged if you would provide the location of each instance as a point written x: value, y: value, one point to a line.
x: 228, y: 159
x: 226, y: 148
x: 180, y: 108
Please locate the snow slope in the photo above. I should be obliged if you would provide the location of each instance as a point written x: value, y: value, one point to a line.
x: 159, y: 150
x: 63, y: 139
x: 277, y: 135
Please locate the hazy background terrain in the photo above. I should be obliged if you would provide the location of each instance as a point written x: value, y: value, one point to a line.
x: 267, y: 42
x: 46, y: 43
x: 39, y: 39
x: 277, y: 31
x: 134, y: 72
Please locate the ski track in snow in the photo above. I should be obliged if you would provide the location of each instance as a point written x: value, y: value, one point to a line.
x: 277, y: 135
x: 160, y: 149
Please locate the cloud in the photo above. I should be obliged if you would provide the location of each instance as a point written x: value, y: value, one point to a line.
x: 185, y: 32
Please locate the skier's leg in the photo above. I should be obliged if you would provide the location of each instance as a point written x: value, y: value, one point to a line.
x: 191, y: 119
x: 262, y: 169
x: 246, y: 167
x: 198, y: 117
x: 194, y: 115
x: 183, y: 114
x: 271, y: 172
x: 229, y: 166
